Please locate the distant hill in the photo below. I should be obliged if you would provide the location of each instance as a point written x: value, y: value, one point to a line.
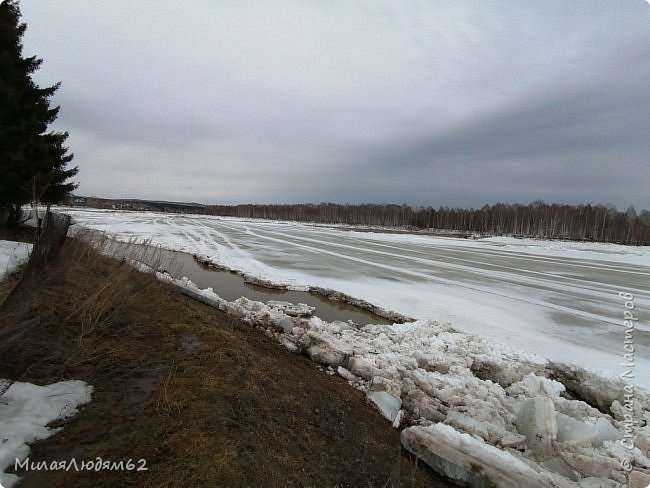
x: 135, y: 204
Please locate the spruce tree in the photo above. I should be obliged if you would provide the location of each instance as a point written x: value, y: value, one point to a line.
x: 33, y: 161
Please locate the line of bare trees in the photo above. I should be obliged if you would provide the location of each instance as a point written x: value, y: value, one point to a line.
x: 537, y: 219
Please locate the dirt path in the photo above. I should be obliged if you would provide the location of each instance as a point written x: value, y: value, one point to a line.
x: 205, y: 400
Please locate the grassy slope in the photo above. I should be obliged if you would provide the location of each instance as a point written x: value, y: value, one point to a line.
x: 207, y: 401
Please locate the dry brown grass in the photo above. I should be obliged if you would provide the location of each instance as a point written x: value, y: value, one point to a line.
x: 90, y: 309
x: 237, y: 410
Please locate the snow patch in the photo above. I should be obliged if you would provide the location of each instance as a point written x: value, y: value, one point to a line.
x: 25, y: 411
x: 12, y: 256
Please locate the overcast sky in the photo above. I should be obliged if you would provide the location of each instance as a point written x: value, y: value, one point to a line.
x: 453, y: 103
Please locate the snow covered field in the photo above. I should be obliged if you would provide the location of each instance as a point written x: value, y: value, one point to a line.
x: 559, y: 300
x: 12, y: 255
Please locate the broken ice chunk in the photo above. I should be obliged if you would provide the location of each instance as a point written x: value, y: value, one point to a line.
x: 570, y: 429
x: 462, y: 457
x: 536, y: 420
x: 387, y: 404
x: 299, y: 310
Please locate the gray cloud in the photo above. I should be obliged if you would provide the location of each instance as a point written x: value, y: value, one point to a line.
x: 442, y: 103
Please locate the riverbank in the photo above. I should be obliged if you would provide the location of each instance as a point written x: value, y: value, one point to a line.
x: 204, y: 399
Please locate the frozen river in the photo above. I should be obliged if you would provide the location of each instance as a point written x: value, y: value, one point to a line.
x: 559, y: 300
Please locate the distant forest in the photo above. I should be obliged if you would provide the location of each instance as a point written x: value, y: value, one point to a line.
x: 537, y: 219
